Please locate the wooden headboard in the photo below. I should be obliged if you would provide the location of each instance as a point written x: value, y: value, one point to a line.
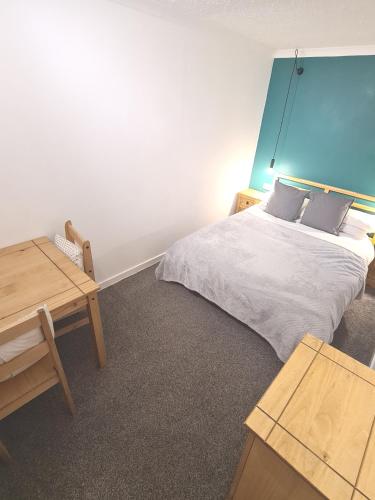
x: 331, y: 189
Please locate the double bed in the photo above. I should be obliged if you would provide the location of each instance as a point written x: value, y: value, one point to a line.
x: 280, y: 278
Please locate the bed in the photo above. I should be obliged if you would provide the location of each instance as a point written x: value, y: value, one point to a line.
x: 280, y: 278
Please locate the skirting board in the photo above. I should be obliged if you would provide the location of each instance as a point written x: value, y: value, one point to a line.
x: 129, y: 272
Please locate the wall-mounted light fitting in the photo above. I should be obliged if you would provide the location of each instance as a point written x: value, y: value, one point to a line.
x: 299, y: 70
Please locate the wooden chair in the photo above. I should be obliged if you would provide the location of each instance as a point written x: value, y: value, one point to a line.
x: 74, y: 236
x: 33, y: 371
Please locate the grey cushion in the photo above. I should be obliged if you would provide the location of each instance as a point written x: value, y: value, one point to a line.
x: 326, y: 212
x: 285, y: 201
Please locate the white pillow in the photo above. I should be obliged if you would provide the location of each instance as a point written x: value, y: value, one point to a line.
x: 72, y: 251
x: 303, y: 208
x: 352, y: 231
x: 265, y: 199
x: 361, y: 220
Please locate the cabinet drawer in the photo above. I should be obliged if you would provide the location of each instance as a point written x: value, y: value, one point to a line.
x: 246, y: 203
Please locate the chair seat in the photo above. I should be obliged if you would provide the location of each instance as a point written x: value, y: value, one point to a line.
x: 25, y: 386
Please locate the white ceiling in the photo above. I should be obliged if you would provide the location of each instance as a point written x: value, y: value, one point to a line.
x: 280, y: 23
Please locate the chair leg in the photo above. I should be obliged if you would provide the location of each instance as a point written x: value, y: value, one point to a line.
x: 56, y: 359
x: 4, y: 454
x: 68, y: 396
x: 65, y: 386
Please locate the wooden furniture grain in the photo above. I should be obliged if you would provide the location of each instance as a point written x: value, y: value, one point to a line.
x: 247, y: 198
x: 312, y: 434
x: 74, y: 236
x: 32, y: 372
x: 35, y: 272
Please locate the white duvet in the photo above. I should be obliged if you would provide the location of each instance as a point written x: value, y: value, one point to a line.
x: 282, y: 279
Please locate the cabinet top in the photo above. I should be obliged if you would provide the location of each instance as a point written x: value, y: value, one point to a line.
x: 252, y: 193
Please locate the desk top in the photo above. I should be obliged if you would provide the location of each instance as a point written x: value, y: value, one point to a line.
x: 35, y: 272
x: 319, y: 416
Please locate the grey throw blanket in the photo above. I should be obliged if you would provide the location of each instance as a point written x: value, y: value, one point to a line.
x: 280, y: 282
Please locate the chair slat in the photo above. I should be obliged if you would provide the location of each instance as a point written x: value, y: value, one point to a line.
x: 72, y: 326
x: 19, y: 328
x: 27, y: 358
x: 28, y: 396
x: 40, y: 366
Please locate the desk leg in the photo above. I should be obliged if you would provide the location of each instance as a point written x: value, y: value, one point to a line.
x: 96, y: 326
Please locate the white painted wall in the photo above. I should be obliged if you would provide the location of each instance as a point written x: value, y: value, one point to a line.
x: 139, y: 129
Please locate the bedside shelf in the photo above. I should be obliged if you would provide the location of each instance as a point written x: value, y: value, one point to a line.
x: 247, y: 198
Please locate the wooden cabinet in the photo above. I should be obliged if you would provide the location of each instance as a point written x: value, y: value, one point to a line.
x: 312, y: 435
x: 247, y: 198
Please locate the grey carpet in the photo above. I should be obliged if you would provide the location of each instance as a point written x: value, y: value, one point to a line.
x: 164, y: 419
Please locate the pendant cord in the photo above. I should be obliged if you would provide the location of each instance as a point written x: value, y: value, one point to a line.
x: 286, y: 101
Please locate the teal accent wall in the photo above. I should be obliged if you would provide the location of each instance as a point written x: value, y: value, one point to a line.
x: 329, y: 128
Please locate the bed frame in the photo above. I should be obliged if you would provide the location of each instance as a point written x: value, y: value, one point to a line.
x: 331, y: 189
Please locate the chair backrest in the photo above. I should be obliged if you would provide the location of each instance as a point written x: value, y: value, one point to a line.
x: 28, y: 371
x: 30, y: 356
x: 73, y: 235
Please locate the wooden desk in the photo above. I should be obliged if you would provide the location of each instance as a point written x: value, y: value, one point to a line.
x: 36, y: 272
x: 312, y: 434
